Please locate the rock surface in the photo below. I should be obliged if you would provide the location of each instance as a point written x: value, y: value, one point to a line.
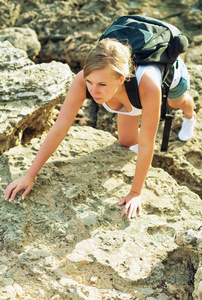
x: 23, y: 38
x: 28, y: 94
x: 191, y: 241
x: 68, y: 29
x: 69, y: 240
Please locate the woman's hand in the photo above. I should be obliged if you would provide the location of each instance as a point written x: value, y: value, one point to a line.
x: 24, y: 183
x: 133, y: 205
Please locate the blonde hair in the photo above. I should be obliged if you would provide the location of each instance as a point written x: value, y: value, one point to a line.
x: 110, y: 53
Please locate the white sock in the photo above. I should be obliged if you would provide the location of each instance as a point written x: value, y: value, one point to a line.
x: 134, y: 148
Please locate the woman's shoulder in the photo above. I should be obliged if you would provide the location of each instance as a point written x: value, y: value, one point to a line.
x: 150, y: 87
x: 78, y: 86
x: 155, y: 71
x: 79, y: 79
x: 80, y: 76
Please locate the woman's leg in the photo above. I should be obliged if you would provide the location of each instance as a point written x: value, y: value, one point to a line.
x: 179, y: 98
x: 128, y: 129
x: 185, y: 103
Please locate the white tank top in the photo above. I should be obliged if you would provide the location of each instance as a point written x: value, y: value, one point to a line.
x: 136, y: 111
x: 157, y: 73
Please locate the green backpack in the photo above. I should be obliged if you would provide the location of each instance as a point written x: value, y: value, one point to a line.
x: 152, y: 42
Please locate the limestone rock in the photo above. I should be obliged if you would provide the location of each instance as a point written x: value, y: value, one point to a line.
x: 69, y: 231
x: 22, y: 38
x: 9, y: 13
x: 28, y: 93
x: 197, y: 295
x: 68, y: 29
x: 191, y: 241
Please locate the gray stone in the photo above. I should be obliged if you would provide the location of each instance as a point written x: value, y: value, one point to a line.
x: 28, y: 94
x: 74, y: 229
x: 162, y: 297
x: 22, y: 38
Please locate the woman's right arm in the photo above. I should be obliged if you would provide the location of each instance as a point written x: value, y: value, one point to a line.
x: 74, y: 99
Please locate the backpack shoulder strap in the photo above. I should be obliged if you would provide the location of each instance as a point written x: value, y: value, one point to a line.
x: 88, y: 95
x: 166, y: 83
x: 167, y: 79
x: 133, y: 92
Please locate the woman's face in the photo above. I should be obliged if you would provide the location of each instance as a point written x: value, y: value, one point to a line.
x: 102, y: 84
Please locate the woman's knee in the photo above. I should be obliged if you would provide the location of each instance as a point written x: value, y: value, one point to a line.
x: 128, y: 130
x: 127, y: 140
x: 173, y: 103
x: 186, y: 99
x: 124, y: 142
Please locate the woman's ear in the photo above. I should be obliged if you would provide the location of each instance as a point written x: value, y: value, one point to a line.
x: 122, y: 79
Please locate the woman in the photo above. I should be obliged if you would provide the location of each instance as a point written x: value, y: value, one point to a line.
x: 106, y: 69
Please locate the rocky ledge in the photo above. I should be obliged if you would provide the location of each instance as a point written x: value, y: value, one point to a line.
x: 68, y: 241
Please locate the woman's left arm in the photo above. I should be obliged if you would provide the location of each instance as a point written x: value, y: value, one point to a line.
x: 150, y: 96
